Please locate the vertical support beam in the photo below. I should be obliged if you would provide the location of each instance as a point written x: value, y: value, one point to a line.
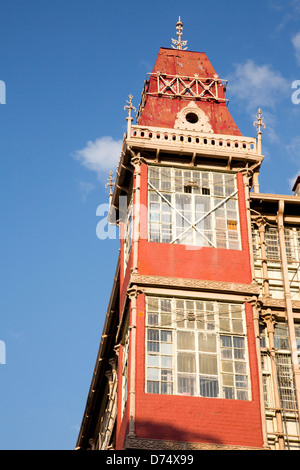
x: 288, y: 303
x: 264, y: 257
x: 255, y: 182
x: 136, y: 161
x: 269, y: 319
x: 254, y: 303
x: 247, y: 198
x: 132, y: 294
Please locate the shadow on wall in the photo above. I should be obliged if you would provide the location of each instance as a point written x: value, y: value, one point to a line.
x: 153, y: 435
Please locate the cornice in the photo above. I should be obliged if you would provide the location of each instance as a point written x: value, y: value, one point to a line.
x: 156, y: 444
x: 194, y: 284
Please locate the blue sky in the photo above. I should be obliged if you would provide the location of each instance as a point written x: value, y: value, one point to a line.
x: 69, y: 67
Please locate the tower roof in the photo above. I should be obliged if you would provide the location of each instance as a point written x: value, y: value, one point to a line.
x: 181, y: 79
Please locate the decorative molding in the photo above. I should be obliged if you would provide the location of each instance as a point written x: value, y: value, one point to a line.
x: 200, y: 124
x: 196, y: 87
x: 278, y: 303
x: 156, y: 444
x: 197, y: 284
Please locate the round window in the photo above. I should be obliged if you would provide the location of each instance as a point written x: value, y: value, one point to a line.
x: 192, y: 118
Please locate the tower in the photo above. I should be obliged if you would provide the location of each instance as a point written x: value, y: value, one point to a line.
x: 179, y: 362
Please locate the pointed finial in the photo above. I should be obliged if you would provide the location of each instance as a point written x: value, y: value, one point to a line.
x: 129, y: 107
x: 179, y: 43
x: 259, y: 124
x: 129, y: 118
x: 110, y: 183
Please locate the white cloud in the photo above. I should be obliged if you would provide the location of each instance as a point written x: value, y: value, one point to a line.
x: 293, y: 149
x: 100, y: 156
x: 257, y: 86
x: 85, y: 188
x: 296, y: 44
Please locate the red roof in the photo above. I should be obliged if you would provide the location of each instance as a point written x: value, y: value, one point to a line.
x: 161, y: 110
x: 296, y: 183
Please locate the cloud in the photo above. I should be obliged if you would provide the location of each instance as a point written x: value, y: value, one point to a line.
x: 257, y: 86
x: 85, y: 188
x: 293, y: 149
x: 296, y: 44
x: 100, y: 156
x: 288, y: 10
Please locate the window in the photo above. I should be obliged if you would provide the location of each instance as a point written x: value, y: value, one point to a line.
x: 193, y: 207
x: 275, y: 279
x: 196, y: 348
x: 283, y: 364
x: 272, y: 243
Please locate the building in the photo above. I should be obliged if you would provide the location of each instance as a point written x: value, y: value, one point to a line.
x: 200, y: 342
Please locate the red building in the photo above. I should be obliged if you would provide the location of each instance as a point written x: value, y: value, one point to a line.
x: 179, y: 363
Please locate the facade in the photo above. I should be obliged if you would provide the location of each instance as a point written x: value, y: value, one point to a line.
x: 200, y: 342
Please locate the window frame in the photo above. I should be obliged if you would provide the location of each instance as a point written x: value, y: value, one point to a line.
x: 208, y: 329
x: 220, y: 223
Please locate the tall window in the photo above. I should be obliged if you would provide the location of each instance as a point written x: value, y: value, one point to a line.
x: 292, y: 243
x: 193, y: 207
x: 286, y: 385
x: 196, y: 348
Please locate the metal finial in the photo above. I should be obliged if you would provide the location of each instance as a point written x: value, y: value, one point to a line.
x: 129, y: 119
x: 110, y: 183
x: 179, y: 43
x: 129, y: 107
x: 259, y: 123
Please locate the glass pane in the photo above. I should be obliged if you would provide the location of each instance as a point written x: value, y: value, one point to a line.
x: 152, y: 387
x: 186, y: 362
x: 166, y: 388
x: 186, y: 340
x: 209, y: 387
x: 228, y: 379
x: 237, y: 326
x: 242, y: 395
x: 207, y: 342
x: 208, y: 364
x: 153, y: 374
x: 228, y: 393
x: 166, y: 336
x: 166, y: 348
x: 186, y: 385
x: 167, y: 361
x: 227, y: 366
x: 153, y: 360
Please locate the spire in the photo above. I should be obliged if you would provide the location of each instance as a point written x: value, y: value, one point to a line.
x: 259, y: 124
x: 129, y: 118
x: 178, y: 43
x: 110, y: 183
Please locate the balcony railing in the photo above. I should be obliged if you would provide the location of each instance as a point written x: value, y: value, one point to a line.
x: 176, y: 139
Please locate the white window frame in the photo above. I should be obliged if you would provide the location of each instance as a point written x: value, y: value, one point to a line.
x: 219, y: 333
x: 195, y: 223
x: 292, y: 239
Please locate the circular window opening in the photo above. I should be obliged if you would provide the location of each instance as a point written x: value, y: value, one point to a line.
x: 192, y: 118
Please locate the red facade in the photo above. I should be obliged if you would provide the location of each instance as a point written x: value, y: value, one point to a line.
x: 189, y: 419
